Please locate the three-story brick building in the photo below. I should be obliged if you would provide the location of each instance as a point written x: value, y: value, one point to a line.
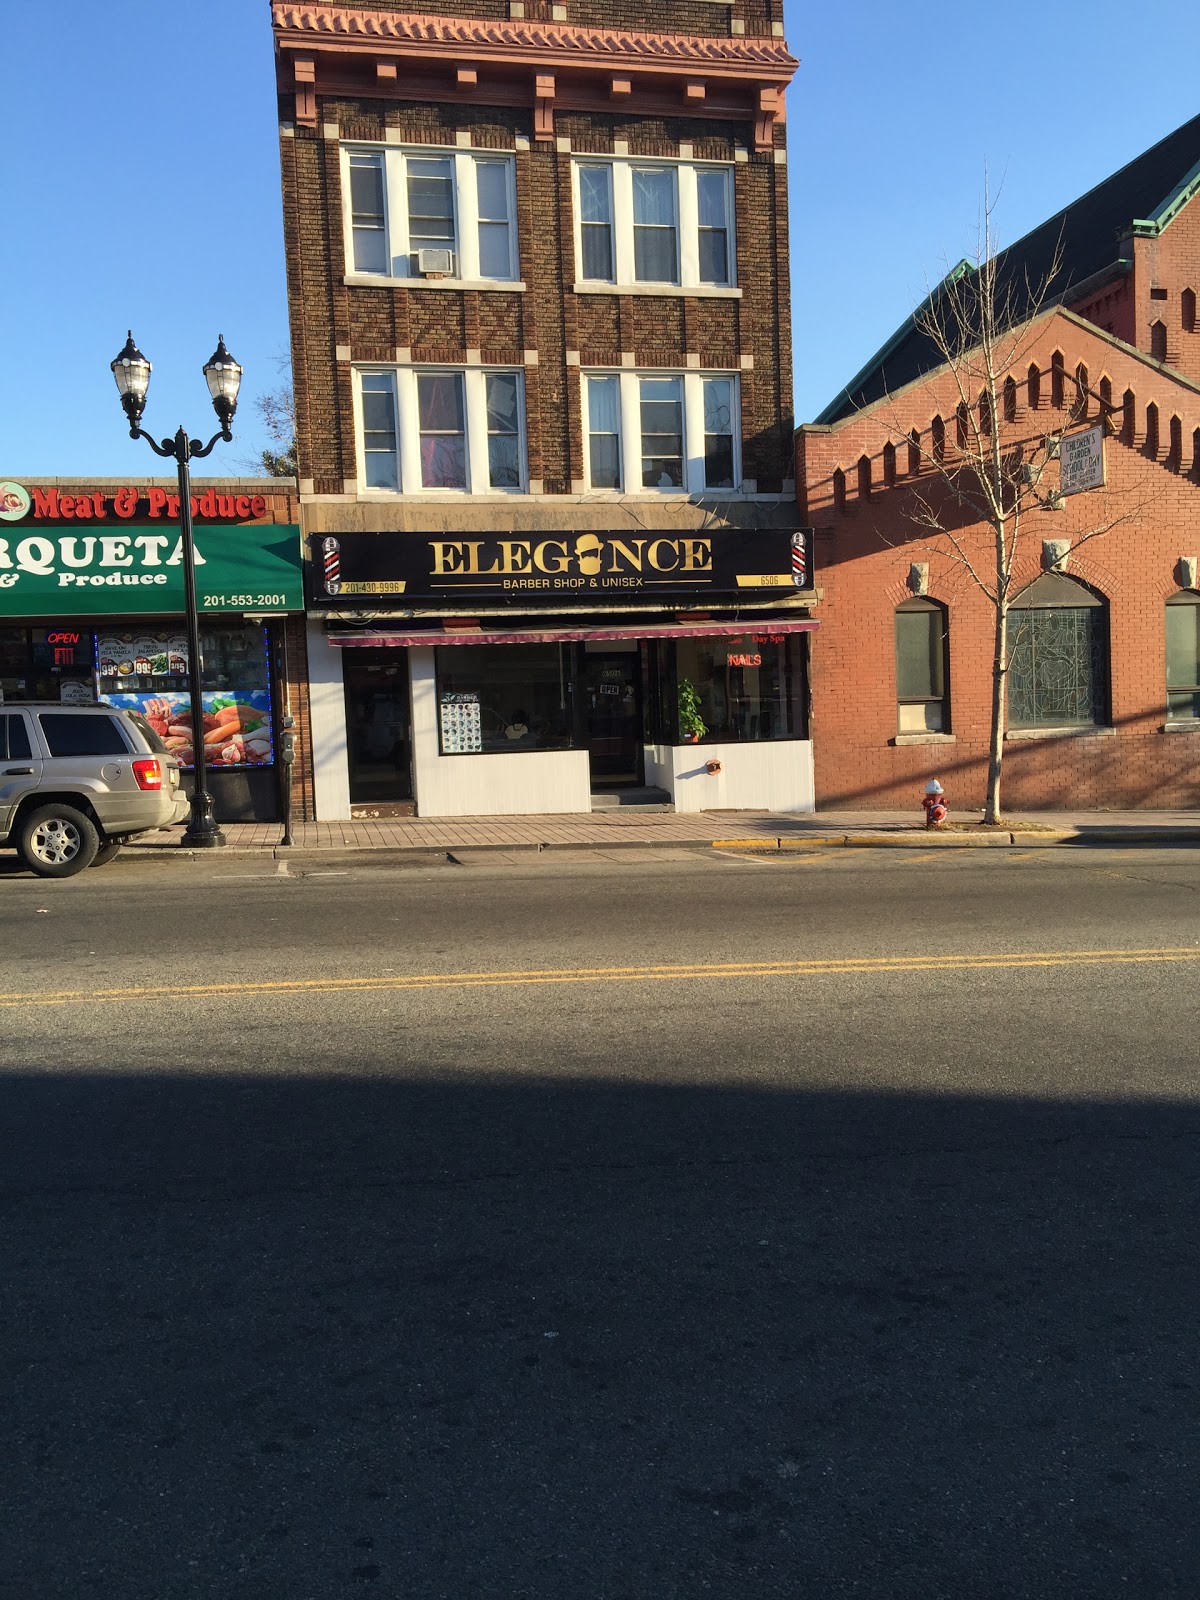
x: 538, y: 284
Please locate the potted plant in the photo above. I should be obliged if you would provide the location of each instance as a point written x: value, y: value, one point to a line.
x: 691, y: 724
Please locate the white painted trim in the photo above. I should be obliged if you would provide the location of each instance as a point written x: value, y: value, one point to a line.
x: 630, y: 443
x: 408, y: 434
x: 327, y: 717
x: 686, y: 206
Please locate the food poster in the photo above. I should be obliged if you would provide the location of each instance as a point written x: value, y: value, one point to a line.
x: 236, y: 731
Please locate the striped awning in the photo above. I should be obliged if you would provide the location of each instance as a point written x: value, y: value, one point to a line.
x: 486, y: 633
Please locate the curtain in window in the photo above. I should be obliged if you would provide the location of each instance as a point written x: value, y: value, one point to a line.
x: 495, y: 246
x: 595, y: 223
x: 443, y: 441
x: 430, y: 204
x: 367, y: 215
x: 1183, y: 655
x: 604, y: 433
x: 718, y: 433
x: 711, y: 202
x: 655, y: 255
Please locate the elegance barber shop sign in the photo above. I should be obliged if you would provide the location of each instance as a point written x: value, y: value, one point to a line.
x: 557, y: 567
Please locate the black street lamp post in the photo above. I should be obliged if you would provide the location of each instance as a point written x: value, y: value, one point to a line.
x: 224, y: 376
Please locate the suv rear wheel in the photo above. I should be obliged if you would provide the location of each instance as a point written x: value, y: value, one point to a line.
x: 106, y: 852
x: 57, y: 841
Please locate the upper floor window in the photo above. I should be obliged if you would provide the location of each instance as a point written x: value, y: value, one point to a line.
x: 673, y: 432
x: 438, y: 428
x: 654, y: 223
x: 428, y: 214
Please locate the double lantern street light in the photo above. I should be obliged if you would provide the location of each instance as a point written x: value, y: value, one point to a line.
x: 224, y: 377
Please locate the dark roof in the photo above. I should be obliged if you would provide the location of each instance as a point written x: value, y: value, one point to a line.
x: 1141, y: 198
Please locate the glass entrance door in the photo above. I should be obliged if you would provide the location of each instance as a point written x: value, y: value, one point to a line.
x: 613, y: 713
x: 378, y: 727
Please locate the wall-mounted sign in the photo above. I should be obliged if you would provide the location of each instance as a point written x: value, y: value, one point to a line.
x: 132, y: 504
x: 137, y: 571
x: 556, y: 567
x: 1081, y: 460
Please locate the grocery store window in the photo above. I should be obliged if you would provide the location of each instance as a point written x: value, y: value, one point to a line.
x: 665, y: 224
x: 669, y: 433
x: 430, y: 215
x: 922, y: 669
x: 507, y: 699
x: 1183, y: 655
x: 441, y: 429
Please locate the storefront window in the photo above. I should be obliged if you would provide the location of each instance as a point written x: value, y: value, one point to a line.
x: 146, y: 670
x: 503, y: 698
x: 745, y: 687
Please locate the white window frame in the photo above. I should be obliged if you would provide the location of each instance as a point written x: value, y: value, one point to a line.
x: 687, y: 222
x: 394, y: 160
x: 629, y: 440
x: 408, y: 430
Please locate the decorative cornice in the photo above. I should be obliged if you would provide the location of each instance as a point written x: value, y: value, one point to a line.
x: 768, y: 57
x: 331, y: 49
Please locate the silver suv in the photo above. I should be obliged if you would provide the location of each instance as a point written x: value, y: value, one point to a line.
x: 75, y: 780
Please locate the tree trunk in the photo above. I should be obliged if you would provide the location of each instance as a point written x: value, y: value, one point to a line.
x: 996, y: 753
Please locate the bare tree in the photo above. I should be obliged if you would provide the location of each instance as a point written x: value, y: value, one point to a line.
x: 984, y: 472
x: 277, y: 408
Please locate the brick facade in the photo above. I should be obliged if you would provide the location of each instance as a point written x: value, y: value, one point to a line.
x: 866, y: 544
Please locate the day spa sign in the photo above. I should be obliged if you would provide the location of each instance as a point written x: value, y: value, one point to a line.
x: 115, y: 570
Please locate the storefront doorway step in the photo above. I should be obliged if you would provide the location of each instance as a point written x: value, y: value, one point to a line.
x: 382, y: 809
x: 647, y: 798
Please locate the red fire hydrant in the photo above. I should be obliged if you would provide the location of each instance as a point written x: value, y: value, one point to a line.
x: 935, y: 804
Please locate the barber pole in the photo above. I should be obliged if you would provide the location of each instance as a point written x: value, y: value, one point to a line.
x: 799, y: 560
x: 331, y: 555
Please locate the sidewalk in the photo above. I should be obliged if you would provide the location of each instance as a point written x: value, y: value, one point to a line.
x: 747, y: 830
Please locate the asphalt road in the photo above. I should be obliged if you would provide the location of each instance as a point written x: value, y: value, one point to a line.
x: 600, y: 1227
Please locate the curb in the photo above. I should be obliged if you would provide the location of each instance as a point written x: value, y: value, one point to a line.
x: 1004, y: 839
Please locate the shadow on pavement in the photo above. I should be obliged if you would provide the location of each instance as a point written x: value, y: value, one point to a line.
x: 320, y: 1336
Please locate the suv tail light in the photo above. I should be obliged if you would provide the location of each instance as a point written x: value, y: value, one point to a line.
x: 148, y: 773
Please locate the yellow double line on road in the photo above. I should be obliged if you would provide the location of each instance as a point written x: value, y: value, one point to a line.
x: 695, y: 970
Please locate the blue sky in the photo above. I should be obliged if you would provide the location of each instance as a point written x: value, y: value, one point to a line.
x: 139, y: 177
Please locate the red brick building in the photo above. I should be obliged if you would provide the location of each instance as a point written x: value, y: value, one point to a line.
x: 538, y: 284
x: 1103, y: 691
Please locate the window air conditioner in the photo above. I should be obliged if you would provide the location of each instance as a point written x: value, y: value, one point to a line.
x: 435, y: 261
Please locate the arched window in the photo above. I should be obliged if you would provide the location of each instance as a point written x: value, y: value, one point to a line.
x: 1158, y: 340
x: 1057, y: 374
x: 985, y: 413
x: 1196, y: 453
x: 1082, y: 390
x: 1033, y: 385
x: 1058, y: 656
x: 914, y: 453
x: 839, y: 490
x: 937, y: 431
x: 1010, y: 400
x: 889, y: 464
x: 1106, y: 404
x: 960, y: 425
x: 1187, y: 310
x: 1151, y: 445
x: 1128, y: 417
x: 864, y: 477
x: 1183, y: 655
x: 922, y: 668
x: 1175, y: 447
